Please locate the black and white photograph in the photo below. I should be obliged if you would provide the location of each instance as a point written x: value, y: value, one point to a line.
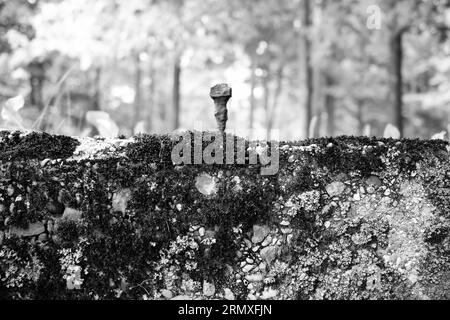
x: 216, y: 157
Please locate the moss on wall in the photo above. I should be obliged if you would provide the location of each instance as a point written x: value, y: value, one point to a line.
x: 344, y: 218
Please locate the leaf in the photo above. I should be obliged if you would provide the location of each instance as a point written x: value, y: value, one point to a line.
x: 391, y: 131
x: 312, y: 127
x: 104, y: 124
x: 10, y: 111
x: 439, y: 136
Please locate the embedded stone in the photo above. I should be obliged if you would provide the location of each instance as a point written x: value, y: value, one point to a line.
x: 208, y: 288
x: 166, y: 293
x: 254, y: 277
x: 50, y: 226
x: 373, y: 181
x: 289, y: 238
x: 269, y: 293
x: 44, y: 162
x: 206, y: 184
x: 266, y: 241
x: 42, y: 237
x: 262, y: 266
x: 229, y: 295
x: 34, y: 229
x: 335, y: 188
x: 259, y: 233
x: 10, y: 190
x: 71, y: 214
x: 181, y: 297
x: 55, y: 208
x: 269, y: 253
x: 248, y: 268
x: 120, y: 200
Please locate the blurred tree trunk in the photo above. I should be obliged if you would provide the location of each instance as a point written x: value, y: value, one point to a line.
x: 161, y: 99
x: 176, y: 91
x: 36, y: 70
x: 252, y: 93
x: 330, y: 106
x: 137, y: 89
x: 307, y: 64
x: 318, y: 101
x: 97, y: 88
x: 360, y: 104
x: 151, y: 94
x: 266, y: 99
x: 276, y: 98
x: 396, y: 65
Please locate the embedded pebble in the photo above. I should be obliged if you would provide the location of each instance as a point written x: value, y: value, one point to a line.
x: 208, y: 288
x: 34, y: 229
x: 167, y: 294
x: 229, y: 295
x: 72, y: 214
x: 201, y: 231
x: 269, y: 253
x: 248, y: 268
x: 182, y: 298
x: 42, y: 237
x: 335, y: 188
x: 254, y: 277
x: 262, y: 266
x: 266, y: 241
x: 289, y: 238
x: 120, y: 199
x: 206, y: 184
x: 44, y: 162
x: 50, y: 226
x: 259, y: 233
x: 55, y: 208
x: 373, y: 181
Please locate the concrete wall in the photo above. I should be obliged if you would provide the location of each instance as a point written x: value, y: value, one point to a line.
x: 344, y: 218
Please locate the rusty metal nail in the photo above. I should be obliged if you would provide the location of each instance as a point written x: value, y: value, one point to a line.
x: 221, y: 93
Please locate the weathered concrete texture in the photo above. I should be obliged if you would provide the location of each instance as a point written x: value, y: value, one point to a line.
x: 344, y: 218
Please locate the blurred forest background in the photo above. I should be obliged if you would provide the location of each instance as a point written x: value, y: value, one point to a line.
x: 305, y: 67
